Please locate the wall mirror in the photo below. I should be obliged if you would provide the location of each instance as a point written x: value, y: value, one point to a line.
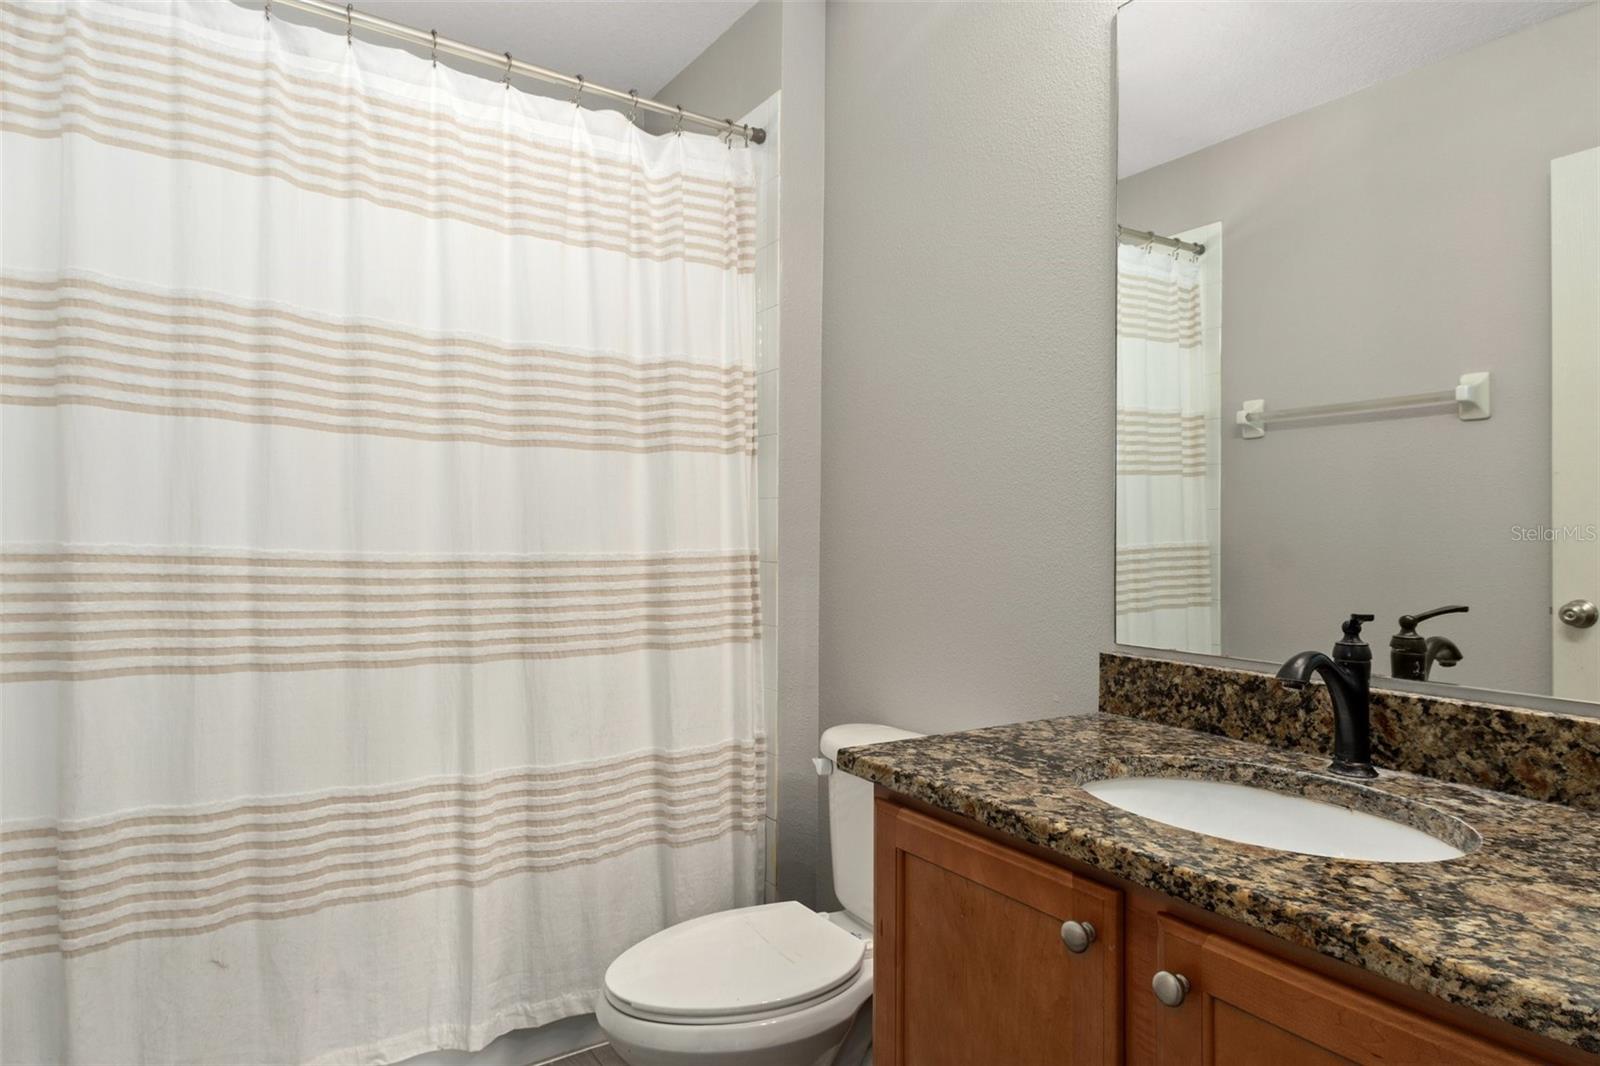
x: 1358, y: 334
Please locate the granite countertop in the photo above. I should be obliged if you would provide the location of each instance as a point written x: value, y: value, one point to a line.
x: 1511, y: 929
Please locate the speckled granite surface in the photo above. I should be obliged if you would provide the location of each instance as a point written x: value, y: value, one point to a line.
x: 1511, y: 929
x: 1551, y: 757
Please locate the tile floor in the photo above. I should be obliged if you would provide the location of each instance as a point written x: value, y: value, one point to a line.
x: 595, y: 1056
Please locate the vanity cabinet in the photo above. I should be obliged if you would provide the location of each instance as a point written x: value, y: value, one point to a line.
x: 984, y: 954
x: 970, y: 961
x: 1236, y: 1006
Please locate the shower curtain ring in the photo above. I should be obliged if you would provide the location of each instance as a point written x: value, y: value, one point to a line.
x: 349, y: 25
x: 577, y: 94
x: 433, y: 53
x: 508, y: 70
x: 677, y: 129
x: 633, y: 109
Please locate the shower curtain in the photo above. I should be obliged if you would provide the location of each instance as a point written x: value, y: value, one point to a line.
x: 1166, y: 566
x: 378, y: 569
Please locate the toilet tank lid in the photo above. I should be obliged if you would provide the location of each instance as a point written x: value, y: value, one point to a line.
x: 857, y: 734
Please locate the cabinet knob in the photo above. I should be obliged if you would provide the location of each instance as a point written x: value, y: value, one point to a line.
x: 1077, y: 936
x: 1170, y: 988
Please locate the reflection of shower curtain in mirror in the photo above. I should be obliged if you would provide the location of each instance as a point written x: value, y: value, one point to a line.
x: 378, y: 583
x: 1166, y: 465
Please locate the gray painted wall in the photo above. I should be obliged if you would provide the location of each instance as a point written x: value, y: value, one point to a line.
x: 1384, y: 244
x: 800, y: 297
x: 736, y: 72
x: 967, y: 362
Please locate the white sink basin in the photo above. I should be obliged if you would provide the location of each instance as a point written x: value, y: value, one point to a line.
x: 1270, y: 819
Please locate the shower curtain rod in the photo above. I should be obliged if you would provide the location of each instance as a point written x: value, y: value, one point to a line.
x: 1141, y: 236
x: 509, y: 65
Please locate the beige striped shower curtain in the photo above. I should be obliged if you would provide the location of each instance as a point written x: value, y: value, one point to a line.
x: 378, y: 570
x: 1166, y: 465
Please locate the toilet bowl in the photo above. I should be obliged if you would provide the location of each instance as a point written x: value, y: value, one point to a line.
x: 771, y: 985
x: 776, y: 985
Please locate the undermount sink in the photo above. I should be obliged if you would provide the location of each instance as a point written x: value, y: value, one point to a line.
x: 1270, y: 819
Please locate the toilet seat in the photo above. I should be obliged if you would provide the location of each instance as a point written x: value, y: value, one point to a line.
x: 803, y: 1037
x: 736, y: 966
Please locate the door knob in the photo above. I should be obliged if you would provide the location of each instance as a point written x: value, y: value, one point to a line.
x: 1579, y: 614
x: 1077, y: 936
x: 1170, y: 988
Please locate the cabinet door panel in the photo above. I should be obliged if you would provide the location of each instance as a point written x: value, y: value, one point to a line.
x: 970, y: 964
x: 1249, y: 1041
x: 1245, y: 1007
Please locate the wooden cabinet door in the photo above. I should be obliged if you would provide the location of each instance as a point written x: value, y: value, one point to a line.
x: 1246, y: 1008
x: 970, y: 963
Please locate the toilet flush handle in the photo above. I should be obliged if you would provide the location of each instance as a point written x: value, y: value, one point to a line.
x: 824, y: 766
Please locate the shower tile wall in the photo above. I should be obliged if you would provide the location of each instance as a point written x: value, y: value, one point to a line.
x: 1211, y: 344
x: 766, y: 352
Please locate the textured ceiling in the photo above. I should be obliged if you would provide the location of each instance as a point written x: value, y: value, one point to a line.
x: 1191, y: 73
x: 624, y: 44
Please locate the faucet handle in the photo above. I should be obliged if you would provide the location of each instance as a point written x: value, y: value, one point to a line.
x: 1350, y: 650
x: 1409, y: 622
x: 1352, y: 628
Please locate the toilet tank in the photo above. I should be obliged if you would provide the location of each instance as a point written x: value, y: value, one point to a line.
x: 850, y: 816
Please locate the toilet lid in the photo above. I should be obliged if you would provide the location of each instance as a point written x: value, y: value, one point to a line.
x: 746, y: 961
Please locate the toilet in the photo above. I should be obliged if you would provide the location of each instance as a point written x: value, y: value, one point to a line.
x: 773, y: 985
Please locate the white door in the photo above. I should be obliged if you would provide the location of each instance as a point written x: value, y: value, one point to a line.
x: 1575, y: 423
